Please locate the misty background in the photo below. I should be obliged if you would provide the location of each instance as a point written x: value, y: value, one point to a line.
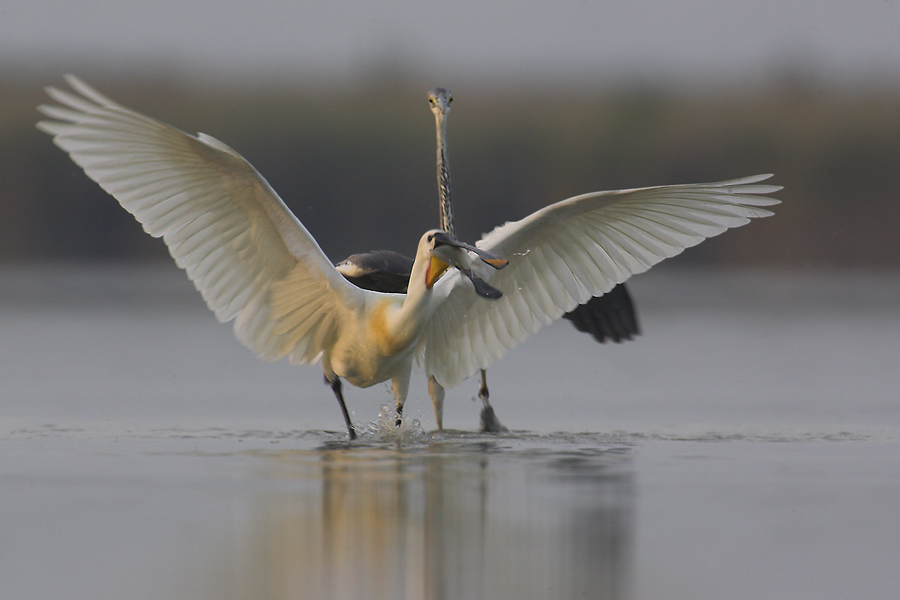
x: 552, y: 99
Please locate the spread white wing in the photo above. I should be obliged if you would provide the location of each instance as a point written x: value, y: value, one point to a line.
x: 562, y: 255
x: 246, y: 253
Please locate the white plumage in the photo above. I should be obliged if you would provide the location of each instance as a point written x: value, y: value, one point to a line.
x: 562, y: 255
x: 256, y: 264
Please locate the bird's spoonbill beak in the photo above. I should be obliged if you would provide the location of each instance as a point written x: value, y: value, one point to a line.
x: 436, y: 268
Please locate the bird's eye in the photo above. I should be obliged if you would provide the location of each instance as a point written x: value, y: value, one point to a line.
x: 431, y: 100
x: 450, y: 100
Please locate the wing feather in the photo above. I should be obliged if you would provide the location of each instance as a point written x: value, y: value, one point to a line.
x: 568, y: 252
x: 251, y: 259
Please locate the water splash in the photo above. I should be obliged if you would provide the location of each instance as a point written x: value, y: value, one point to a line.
x: 384, y: 429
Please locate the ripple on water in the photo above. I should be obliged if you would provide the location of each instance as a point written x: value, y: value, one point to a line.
x: 413, y: 437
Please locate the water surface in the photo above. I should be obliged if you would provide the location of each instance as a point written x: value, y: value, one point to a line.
x: 744, y: 447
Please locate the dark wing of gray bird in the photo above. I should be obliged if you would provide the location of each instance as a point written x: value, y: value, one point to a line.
x: 608, y: 317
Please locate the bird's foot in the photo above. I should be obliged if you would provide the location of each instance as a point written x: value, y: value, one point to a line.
x: 489, y: 421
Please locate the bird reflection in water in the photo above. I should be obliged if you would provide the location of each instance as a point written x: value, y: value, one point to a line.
x: 470, y: 519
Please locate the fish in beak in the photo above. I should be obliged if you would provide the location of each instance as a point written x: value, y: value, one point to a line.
x: 454, y: 253
x: 489, y: 258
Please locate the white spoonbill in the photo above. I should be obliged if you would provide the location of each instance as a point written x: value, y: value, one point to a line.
x: 255, y: 263
x: 249, y: 257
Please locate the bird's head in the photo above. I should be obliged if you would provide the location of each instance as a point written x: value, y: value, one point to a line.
x: 439, y: 100
x: 438, y: 261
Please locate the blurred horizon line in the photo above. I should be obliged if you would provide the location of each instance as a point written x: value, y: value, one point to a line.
x: 396, y: 71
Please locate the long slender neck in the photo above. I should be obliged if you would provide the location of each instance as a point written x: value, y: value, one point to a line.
x: 443, y: 175
x: 410, y: 319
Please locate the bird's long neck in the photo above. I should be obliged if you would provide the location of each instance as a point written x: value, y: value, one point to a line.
x: 412, y: 316
x: 443, y: 175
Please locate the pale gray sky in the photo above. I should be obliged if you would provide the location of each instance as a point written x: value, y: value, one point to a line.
x: 582, y: 41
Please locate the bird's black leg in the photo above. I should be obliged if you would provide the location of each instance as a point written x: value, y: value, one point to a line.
x: 489, y: 421
x: 400, y: 386
x: 336, y: 388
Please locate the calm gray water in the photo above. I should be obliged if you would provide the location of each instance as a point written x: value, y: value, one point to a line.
x: 746, y: 446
